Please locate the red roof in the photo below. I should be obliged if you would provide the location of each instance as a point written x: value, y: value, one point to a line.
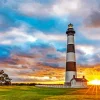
x: 80, y: 79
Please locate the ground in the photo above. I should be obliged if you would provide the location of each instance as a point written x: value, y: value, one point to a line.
x: 36, y: 93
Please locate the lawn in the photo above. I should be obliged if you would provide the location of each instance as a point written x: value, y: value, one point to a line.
x: 36, y: 93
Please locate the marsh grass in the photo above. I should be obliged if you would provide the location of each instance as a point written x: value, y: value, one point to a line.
x: 36, y: 93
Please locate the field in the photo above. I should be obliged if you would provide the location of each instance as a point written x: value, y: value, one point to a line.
x: 36, y: 93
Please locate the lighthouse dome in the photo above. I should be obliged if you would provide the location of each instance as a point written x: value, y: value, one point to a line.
x: 70, y: 25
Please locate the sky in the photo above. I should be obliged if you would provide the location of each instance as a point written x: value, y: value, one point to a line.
x: 33, y: 35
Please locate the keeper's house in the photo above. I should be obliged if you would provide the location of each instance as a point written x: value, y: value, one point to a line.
x: 78, y: 82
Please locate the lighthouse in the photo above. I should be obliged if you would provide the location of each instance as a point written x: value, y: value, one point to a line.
x: 70, y: 56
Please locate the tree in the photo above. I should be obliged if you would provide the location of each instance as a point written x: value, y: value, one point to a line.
x: 4, y: 78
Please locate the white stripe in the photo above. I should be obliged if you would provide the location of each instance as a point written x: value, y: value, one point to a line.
x: 71, y: 57
x: 69, y: 75
x: 70, y: 39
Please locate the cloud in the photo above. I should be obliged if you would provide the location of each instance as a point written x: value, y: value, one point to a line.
x: 15, y: 36
x: 28, y: 69
x: 44, y: 63
x: 50, y: 37
x: 87, y: 54
x: 21, y: 34
x: 90, y: 33
x: 34, y: 8
x: 86, y: 49
x: 53, y: 8
x: 56, y: 8
x: 90, y: 24
x: 34, y: 42
x: 93, y: 21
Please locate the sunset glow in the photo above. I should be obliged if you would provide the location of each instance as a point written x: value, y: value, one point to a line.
x: 95, y: 82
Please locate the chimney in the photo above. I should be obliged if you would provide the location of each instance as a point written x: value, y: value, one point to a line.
x: 83, y: 76
x: 73, y: 76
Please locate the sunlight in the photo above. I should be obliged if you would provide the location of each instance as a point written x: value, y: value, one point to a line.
x: 95, y: 82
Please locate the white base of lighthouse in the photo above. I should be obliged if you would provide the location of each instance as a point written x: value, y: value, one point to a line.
x: 69, y: 76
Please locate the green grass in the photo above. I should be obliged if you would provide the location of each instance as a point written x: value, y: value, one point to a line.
x: 36, y: 93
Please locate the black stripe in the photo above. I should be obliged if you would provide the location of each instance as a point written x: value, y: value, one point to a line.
x: 70, y: 48
x: 70, y: 32
x: 70, y: 66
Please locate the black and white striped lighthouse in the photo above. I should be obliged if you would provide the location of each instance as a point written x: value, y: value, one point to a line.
x: 70, y: 57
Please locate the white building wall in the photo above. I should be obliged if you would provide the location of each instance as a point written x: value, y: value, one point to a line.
x: 75, y: 84
x: 69, y: 75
